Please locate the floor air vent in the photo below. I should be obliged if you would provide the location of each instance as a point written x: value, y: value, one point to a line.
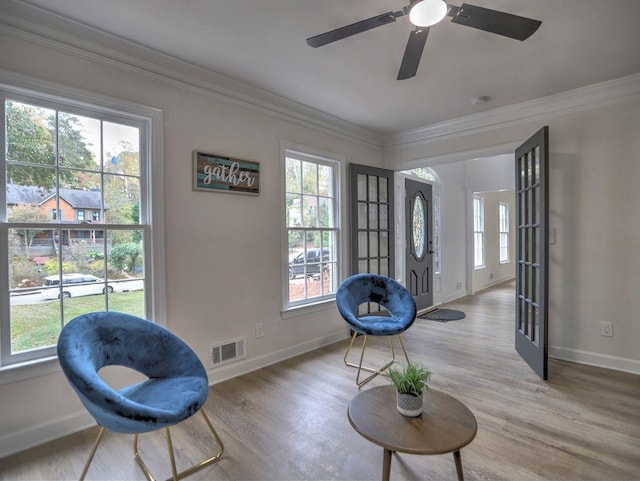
x: 228, y: 351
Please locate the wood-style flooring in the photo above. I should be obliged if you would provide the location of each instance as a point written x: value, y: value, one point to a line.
x: 289, y: 421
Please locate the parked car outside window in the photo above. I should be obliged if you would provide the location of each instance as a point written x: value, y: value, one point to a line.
x: 312, y: 263
x: 74, y: 285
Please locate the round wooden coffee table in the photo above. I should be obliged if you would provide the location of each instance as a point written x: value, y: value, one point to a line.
x: 446, y: 425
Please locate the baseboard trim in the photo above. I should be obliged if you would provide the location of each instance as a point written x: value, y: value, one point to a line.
x: 631, y: 366
x: 245, y: 366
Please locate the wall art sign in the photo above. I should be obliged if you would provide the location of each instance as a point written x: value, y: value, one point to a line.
x: 217, y: 173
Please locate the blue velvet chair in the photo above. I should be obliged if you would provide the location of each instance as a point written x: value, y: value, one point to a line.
x: 175, y: 390
x: 397, y: 316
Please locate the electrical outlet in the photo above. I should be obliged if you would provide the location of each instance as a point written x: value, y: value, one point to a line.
x: 459, y: 285
x: 259, y: 329
x: 606, y: 329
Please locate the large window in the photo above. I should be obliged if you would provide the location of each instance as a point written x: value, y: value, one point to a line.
x: 62, y: 158
x: 503, y: 214
x: 478, y: 232
x: 311, y: 228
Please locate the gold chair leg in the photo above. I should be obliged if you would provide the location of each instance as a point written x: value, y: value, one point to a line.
x: 172, y: 456
x: 182, y: 474
x: 403, y: 349
x: 93, y: 452
x: 372, y: 370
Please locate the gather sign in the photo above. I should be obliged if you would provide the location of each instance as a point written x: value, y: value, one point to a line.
x: 217, y: 173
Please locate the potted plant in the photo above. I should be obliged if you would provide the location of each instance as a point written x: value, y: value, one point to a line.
x: 410, y: 382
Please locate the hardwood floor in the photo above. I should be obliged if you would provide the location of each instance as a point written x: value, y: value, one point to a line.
x: 289, y: 421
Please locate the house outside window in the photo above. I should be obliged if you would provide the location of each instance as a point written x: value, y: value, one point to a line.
x: 503, y: 218
x: 311, y: 228
x: 57, y: 165
x: 478, y: 232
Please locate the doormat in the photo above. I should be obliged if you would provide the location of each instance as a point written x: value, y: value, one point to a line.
x: 443, y: 315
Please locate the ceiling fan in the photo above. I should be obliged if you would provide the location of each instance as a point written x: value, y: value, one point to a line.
x: 426, y: 13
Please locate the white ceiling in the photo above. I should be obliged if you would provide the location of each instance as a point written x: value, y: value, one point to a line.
x: 262, y: 43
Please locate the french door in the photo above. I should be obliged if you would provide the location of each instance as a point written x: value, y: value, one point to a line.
x: 532, y: 237
x: 372, y: 219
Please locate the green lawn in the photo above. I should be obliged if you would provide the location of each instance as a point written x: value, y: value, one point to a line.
x: 38, y: 325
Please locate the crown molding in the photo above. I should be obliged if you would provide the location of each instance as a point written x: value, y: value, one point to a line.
x: 21, y: 20
x: 599, y: 95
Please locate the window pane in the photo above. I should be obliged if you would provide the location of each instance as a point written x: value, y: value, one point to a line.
x: 384, y: 244
x: 384, y: 189
x: 294, y: 210
x: 362, y: 187
x: 34, y: 323
x: 121, y: 149
x: 325, y: 181
x: 293, y: 175
x: 362, y: 215
x: 78, y: 141
x: 418, y: 227
x: 326, y: 212
x: 363, y: 244
x: 384, y: 267
x: 29, y: 203
x: 125, y: 272
x: 309, y: 178
x: 373, y: 244
x: 29, y: 135
x: 373, y: 216
x: 310, y: 211
x: 121, y: 199
x: 373, y: 188
x: 384, y: 216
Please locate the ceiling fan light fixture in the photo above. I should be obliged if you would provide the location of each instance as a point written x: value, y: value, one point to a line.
x: 425, y: 13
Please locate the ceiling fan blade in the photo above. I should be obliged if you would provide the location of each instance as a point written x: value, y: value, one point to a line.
x: 354, y: 28
x: 413, y: 53
x: 493, y: 21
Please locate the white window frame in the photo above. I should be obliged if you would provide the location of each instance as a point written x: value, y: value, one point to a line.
x: 337, y: 163
x: 21, y: 87
x: 503, y: 234
x: 478, y: 233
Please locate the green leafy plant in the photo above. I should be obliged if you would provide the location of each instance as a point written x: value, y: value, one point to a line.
x: 411, y: 379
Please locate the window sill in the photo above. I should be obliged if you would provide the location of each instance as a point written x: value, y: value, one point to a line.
x: 29, y: 369
x: 298, y: 311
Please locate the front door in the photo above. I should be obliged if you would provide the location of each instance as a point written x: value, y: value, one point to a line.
x: 532, y: 237
x: 419, y: 239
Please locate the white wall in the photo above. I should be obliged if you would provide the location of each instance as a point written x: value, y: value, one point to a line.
x: 223, y: 252
x: 594, y: 197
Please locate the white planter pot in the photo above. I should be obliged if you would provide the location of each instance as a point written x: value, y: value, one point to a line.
x: 409, y: 405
